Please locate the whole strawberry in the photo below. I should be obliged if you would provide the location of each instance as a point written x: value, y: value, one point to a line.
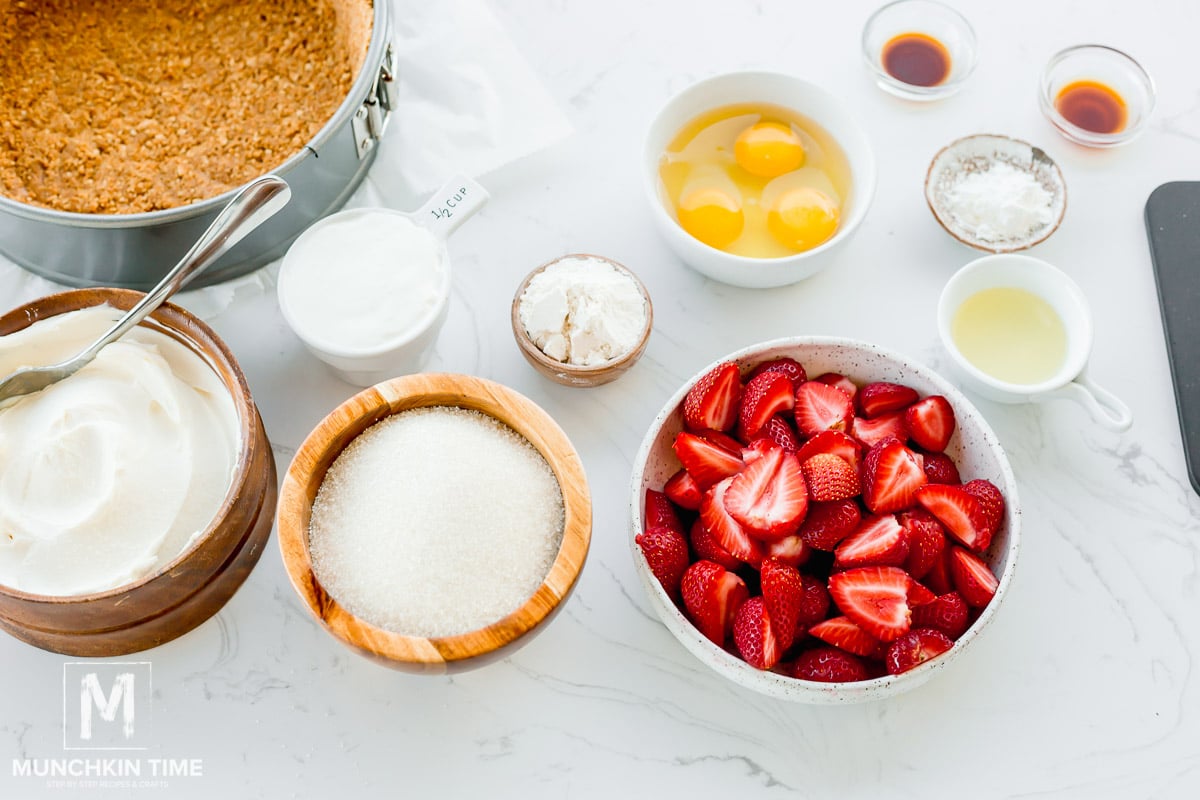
x: 666, y: 554
x: 830, y: 478
x: 828, y: 665
x: 790, y: 367
x: 829, y: 523
x: 991, y: 502
x: 915, y: 648
x: 948, y: 614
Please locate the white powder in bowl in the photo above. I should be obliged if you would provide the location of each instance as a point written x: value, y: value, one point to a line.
x: 1000, y: 203
x: 582, y: 310
x: 435, y: 522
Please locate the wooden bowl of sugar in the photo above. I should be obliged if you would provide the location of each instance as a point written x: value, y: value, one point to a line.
x: 435, y: 523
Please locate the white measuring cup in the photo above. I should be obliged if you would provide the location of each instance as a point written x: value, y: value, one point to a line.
x: 1054, y: 286
x: 309, y: 298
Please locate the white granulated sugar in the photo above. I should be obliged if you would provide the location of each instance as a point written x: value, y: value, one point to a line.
x: 583, y: 311
x: 435, y: 522
x: 1000, y: 203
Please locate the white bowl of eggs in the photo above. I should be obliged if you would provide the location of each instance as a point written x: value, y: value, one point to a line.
x: 756, y: 178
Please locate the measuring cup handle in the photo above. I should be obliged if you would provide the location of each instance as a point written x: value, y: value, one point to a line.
x: 1105, y: 407
x: 451, y: 206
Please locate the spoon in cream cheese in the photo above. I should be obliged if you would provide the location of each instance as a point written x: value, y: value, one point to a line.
x: 257, y: 202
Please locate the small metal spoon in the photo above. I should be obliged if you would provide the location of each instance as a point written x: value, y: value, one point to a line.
x: 251, y: 207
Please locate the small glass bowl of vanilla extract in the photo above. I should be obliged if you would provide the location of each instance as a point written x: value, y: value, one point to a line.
x: 1096, y: 95
x: 919, y: 49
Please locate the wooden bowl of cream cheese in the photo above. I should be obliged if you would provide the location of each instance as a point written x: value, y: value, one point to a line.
x: 56, y: 603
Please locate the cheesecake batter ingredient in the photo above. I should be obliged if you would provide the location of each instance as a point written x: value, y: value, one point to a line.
x: 110, y: 474
x: 143, y: 105
x: 435, y: 522
x: 583, y: 311
x: 363, y: 280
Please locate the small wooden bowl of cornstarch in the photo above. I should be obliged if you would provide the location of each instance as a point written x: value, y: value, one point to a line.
x: 582, y: 320
x: 435, y: 522
x: 996, y: 193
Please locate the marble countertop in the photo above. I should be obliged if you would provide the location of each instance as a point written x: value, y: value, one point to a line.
x: 1084, y: 686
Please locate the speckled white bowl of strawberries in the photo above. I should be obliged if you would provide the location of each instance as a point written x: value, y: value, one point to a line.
x: 823, y: 520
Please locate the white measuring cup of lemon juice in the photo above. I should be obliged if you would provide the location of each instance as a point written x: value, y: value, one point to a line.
x: 1019, y: 330
x: 367, y: 290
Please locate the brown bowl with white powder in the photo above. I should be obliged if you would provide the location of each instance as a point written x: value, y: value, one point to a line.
x: 996, y: 193
x: 435, y: 522
x: 582, y: 320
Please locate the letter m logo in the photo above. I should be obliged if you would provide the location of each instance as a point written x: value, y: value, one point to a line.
x: 106, y: 705
x: 92, y: 696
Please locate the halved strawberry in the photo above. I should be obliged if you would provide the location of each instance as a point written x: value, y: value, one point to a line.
x: 919, y: 595
x: 758, y: 448
x: 684, y: 491
x: 777, y: 431
x: 939, y: 468
x: 790, y: 367
x: 880, y: 541
x: 782, y: 592
x: 891, y: 477
x: 790, y: 550
x: 712, y: 596
x: 728, y: 532
x: 832, y: 442
x: 915, y: 648
x: 972, y: 577
x: 959, y: 511
x: 814, y: 602
x: 875, y: 599
x: 830, y: 478
x: 839, y: 381
x: 755, y: 635
x: 991, y: 501
x: 826, y: 524
x: 842, y: 632
x: 948, y: 613
x: 765, y: 396
x: 706, y: 548
x: 882, y: 397
x: 873, y: 431
x: 705, y: 461
x: 827, y: 665
x: 666, y: 554
x: 821, y: 408
x: 931, y: 422
x: 769, y: 497
x: 926, y: 542
x: 938, y: 578
x: 660, y: 513
x: 712, y: 403
x: 723, y: 440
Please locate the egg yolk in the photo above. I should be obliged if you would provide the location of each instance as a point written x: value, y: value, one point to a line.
x: 711, y: 215
x: 768, y: 149
x: 803, y: 218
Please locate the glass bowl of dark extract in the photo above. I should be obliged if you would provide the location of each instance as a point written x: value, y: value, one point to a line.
x: 919, y: 49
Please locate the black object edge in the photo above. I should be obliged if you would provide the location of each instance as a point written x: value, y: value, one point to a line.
x: 1173, y: 227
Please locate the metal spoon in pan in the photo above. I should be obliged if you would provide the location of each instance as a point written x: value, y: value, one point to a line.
x: 258, y: 201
